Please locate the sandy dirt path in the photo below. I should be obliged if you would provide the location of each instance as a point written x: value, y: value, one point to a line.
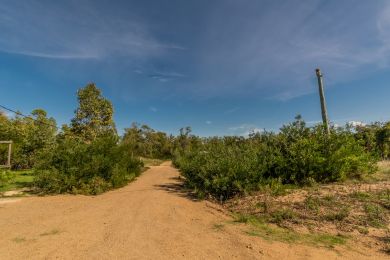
x: 151, y: 218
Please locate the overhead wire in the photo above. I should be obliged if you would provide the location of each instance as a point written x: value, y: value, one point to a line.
x: 25, y: 116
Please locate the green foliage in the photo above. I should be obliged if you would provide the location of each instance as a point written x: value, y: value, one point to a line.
x: 298, y: 154
x: 93, y: 117
x: 30, y: 136
x: 16, y: 180
x: 5, y: 177
x: 89, y: 168
x: 148, y: 143
x: 376, y: 138
x: 87, y: 156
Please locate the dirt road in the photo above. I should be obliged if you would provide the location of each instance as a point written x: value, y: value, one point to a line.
x: 151, y: 218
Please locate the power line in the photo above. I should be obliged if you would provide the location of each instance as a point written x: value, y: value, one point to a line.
x: 29, y: 117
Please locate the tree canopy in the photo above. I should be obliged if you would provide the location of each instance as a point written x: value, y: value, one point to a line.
x: 94, y: 115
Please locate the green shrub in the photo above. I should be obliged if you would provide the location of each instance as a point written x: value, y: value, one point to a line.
x: 299, y: 155
x: 6, y: 177
x: 90, y: 168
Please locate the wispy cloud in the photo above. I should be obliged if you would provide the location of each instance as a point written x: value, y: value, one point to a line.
x: 165, y: 76
x: 153, y: 109
x: 232, y: 110
x: 244, y: 129
x: 274, y: 48
x: 208, y: 122
x: 75, y: 30
x: 138, y: 71
x: 246, y: 48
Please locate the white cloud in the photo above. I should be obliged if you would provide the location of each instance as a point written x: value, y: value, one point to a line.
x: 208, y: 122
x: 356, y: 123
x: 244, y: 129
x: 153, y: 109
x: 165, y: 76
x: 6, y: 113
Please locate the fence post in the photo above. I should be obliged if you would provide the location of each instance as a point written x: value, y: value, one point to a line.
x: 9, y: 154
x: 8, y: 164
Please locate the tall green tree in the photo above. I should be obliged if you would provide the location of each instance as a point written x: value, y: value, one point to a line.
x: 94, y: 115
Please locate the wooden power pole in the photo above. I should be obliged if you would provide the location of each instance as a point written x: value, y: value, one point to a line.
x: 324, y: 112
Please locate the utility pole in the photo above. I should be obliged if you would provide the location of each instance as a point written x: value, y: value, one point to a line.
x: 324, y: 113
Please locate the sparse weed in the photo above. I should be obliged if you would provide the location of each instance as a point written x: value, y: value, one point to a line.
x: 363, y: 230
x: 51, y: 232
x: 359, y: 195
x: 279, y: 216
x: 275, y: 233
x: 375, y: 215
x: 218, y: 226
x: 338, y: 215
x: 19, y: 239
x: 312, y: 203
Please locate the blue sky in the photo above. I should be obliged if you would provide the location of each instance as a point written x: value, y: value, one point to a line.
x: 223, y: 67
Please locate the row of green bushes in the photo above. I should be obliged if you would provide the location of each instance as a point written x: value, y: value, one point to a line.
x: 87, y: 156
x: 376, y: 138
x: 224, y: 167
x: 91, y: 168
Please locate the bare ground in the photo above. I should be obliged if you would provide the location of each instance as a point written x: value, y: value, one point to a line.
x: 151, y: 218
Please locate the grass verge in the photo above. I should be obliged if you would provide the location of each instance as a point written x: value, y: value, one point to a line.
x: 21, y: 179
x: 260, y: 228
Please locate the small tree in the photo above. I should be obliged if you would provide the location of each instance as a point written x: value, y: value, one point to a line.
x: 94, y: 115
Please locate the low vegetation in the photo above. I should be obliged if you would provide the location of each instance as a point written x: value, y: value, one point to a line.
x: 359, y: 211
x: 297, y: 185
x: 260, y: 228
x: 15, y: 180
x: 297, y: 155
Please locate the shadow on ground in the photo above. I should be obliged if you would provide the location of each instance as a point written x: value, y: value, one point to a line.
x: 178, y: 187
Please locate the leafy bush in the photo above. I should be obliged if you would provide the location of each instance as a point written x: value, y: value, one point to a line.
x: 86, y: 157
x: 30, y: 136
x: 298, y: 154
x: 90, y: 168
x: 6, y: 177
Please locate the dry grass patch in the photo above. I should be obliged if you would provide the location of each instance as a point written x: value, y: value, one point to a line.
x: 356, y: 210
